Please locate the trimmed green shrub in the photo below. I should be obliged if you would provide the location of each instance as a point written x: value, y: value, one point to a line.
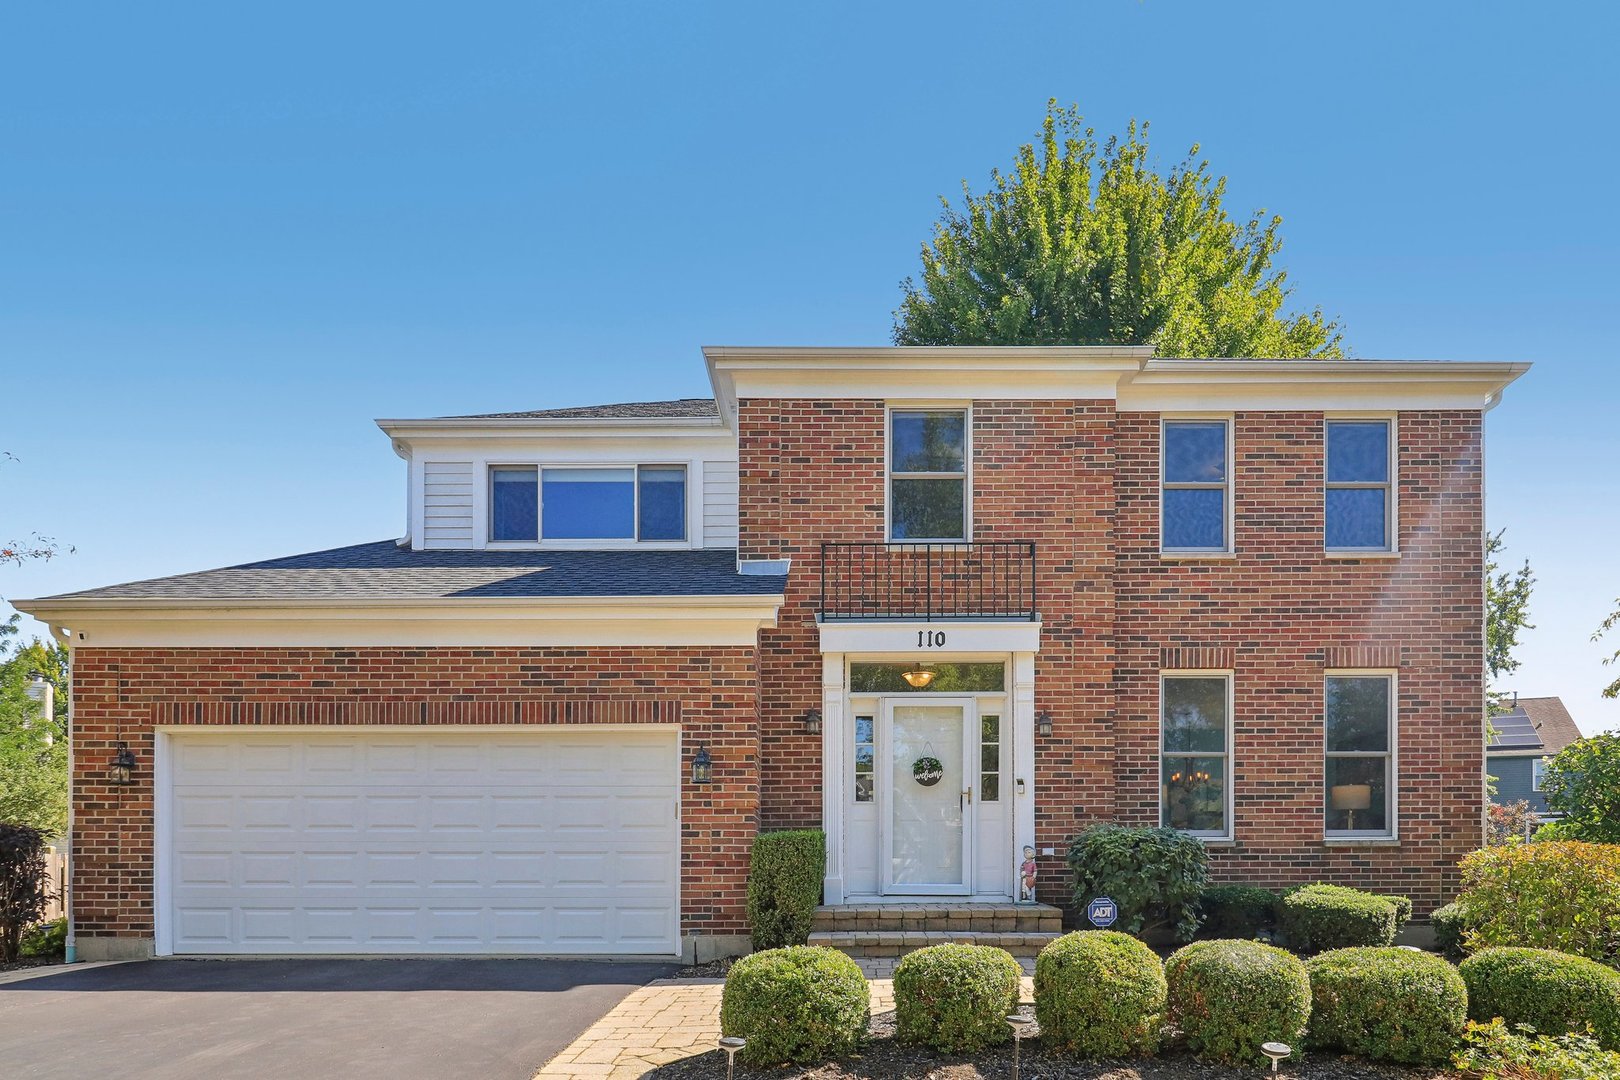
x: 1494, y: 1050
x: 1321, y: 917
x: 1450, y: 923
x: 802, y: 1004
x: 956, y: 998
x: 784, y: 885
x: 1387, y: 1004
x: 1237, y: 911
x: 46, y: 939
x: 1552, y: 992
x: 1403, y: 911
x: 1099, y: 994
x: 1563, y: 896
x: 1231, y: 996
x: 1154, y: 876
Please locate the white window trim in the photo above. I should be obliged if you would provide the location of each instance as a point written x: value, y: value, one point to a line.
x: 1538, y: 767
x: 966, y: 409
x: 1394, y: 778
x: 484, y: 507
x: 1228, y: 834
x: 1392, y: 513
x: 1228, y: 487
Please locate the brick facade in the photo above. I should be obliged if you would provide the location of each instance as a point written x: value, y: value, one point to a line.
x: 1081, y: 480
x: 126, y: 693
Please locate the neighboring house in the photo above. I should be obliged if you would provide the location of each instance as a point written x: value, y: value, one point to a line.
x: 1524, y: 737
x: 944, y: 603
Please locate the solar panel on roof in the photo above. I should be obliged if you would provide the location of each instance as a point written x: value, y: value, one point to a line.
x: 1514, y: 731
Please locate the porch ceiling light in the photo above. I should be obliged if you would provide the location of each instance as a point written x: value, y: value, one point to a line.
x: 812, y: 722
x: 917, y: 679
x: 1043, y: 724
x: 122, y: 767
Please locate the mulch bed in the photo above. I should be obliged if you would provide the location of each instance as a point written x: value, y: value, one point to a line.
x: 884, y: 1057
x: 31, y: 961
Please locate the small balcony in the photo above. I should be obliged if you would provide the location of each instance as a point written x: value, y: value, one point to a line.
x: 993, y: 579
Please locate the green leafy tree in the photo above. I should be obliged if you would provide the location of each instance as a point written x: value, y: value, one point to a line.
x: 1613, y: 689
x: 1582, y: 782
x: 1507, y: 608
x: 1084, y: 243
x: 33, y: 747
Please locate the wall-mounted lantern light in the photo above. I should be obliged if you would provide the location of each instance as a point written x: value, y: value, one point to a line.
x: 1043, y: 724
x: 121, y: 770
x: 702, y: 766
x: 812, y: 722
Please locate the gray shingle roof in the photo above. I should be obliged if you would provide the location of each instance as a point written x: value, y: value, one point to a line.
x: 385, y: 571
x: 681, y: 408
x: 1540, y: 723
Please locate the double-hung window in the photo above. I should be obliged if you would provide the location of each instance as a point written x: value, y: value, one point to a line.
x: 928, y: 488
x: 1195, y: 743
x: 1359, y: 508
x: 1538, y: 772
x: 586, y: 503
x: 1195, y: 503
x: 1360, y: 737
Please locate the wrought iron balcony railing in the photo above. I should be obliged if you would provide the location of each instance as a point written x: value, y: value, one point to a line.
x: 992, y: 579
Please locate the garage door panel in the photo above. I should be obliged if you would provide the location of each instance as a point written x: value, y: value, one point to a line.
x: 450, y: 843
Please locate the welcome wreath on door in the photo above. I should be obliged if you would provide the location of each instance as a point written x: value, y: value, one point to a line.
x: 927, y: 770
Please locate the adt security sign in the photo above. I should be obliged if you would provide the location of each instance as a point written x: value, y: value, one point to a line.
x: 1102, y: 912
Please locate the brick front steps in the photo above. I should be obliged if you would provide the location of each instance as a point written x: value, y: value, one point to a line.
x: 894, y: 929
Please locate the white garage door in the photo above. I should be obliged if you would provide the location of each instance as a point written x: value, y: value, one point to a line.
x: 534, y: 841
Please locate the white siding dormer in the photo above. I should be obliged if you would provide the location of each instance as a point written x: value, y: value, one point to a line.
x: 450, y: 463
x: 720, y: 504
x: 447, y: 503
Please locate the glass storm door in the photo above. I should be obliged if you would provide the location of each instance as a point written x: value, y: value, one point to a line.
x: 927, y: 822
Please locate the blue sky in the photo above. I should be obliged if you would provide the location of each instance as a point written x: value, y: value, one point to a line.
x: 230, y: 237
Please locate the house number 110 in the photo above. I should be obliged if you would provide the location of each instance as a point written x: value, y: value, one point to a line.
x: 930, y: 639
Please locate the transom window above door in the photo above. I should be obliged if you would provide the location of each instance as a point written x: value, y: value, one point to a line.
x: 928, y: 488
x: 571, y: 504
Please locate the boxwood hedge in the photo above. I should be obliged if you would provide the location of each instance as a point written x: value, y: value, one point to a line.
x: 803, y: 1003
x: 1387, y: 1004
x: 1229, y: 997
x: 956, y: 998
x: 1099, y: 993
x: 1552, y: 992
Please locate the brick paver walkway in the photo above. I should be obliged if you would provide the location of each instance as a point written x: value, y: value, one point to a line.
x: 671, y: 1019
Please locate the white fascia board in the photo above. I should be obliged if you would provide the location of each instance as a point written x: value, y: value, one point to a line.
x: 577, y: 427
x: 918, y: 373
x: 901, y: 636
x: 713, y: 443
x: 1315, y: 385
x: 560, y: 622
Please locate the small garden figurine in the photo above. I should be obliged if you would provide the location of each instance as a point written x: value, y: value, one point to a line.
x: 1026, y: 875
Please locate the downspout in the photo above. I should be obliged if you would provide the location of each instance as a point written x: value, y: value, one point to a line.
x: 70, y: 953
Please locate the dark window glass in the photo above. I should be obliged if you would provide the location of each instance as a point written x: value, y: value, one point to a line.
x: 1358, y: 713
x: 1195, y: 518
x: 514, y: 504
x: 928, y: 442
x: 1358, y: 794
x: 948, y: 678
x: 927, y: 510
x: 663, y: 502
x: 588, y: 504
x: 1357, y: 517
x: 1194, y: 452
x: 989, y: 758
x: 1357, y: 451
x: 1194, y: 714
x: 1194, y: 793
x: 865, y: 759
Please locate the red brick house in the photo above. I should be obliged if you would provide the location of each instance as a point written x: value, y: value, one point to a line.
x: 949, y: 604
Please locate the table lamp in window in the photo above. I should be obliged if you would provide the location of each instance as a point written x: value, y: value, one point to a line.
x: 1349, y: 798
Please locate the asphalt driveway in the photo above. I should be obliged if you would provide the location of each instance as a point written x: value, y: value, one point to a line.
x: 355, y: 1019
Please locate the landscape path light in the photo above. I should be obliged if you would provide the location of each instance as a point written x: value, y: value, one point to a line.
x: 1276, y: 1051
x: 1020, y: 1022
x: 731, y: 1044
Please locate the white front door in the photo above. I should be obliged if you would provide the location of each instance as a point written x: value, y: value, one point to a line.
x: 925, y: 812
